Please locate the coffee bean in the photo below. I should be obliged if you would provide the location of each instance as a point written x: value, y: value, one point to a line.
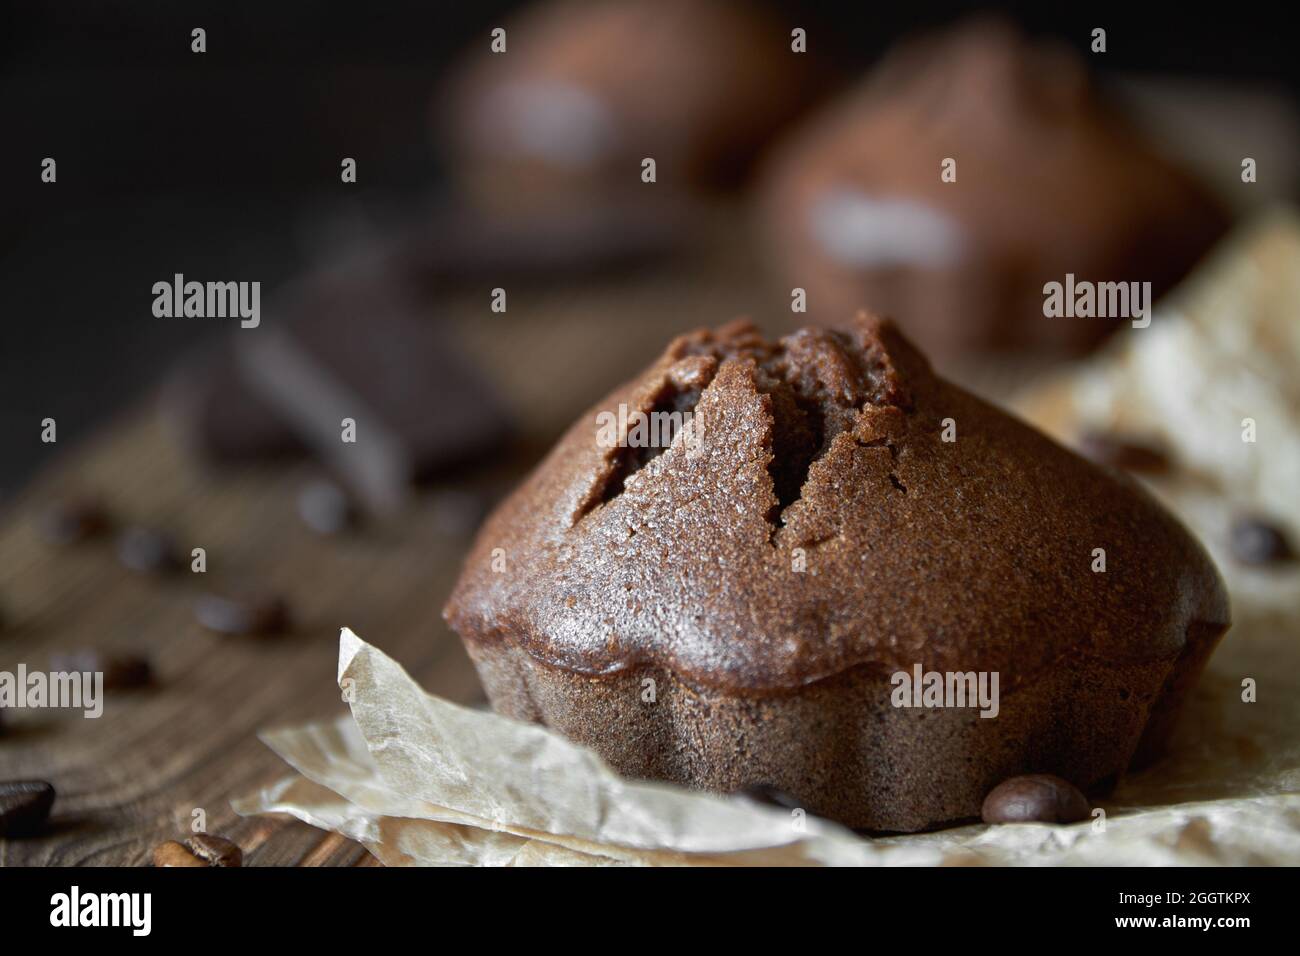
x: 215, y: 850
x: 770, y: 795
x: 172, y: 853
x: 201, y: 849
x: 326, y: 508
x: 74, y: 519
x: 263, y: 614
x: 121, y: 671
x: 1037, y: 797
x: 24, y: 806
x: 148, y: 550
x: 1124, y: 451
x: 1257, y: 541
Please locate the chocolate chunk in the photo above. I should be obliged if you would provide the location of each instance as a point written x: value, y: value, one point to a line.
x: 121, y: 671
x: 258, y: 614
x: 1035, y: 798
x: 74, y: 519
x: 24, y: 806
x: 1256, y: 540
x: 172, y: 853
x: 215, y: 850
x: 361, y: 349
x: 772, y: 796
x: 147, y: 550
x: 325, y: 507
x: 1124, y: 451
x: 218, y: 417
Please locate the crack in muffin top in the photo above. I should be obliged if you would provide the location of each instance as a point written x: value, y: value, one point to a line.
x: 811, y: 519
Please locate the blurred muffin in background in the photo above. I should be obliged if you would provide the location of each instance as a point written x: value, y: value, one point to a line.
x: 1046, y: 181
x: 587, y: 90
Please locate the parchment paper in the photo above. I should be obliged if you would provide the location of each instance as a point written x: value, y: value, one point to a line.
x: 422, y: 781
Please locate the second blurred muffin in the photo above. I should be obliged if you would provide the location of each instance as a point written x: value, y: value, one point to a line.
x: 1047, y: 182
x: 586, y: 90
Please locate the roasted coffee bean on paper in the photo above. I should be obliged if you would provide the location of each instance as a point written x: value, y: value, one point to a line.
x: 1035, y: 798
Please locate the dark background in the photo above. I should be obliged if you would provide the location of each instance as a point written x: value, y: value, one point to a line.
x: 226, y: 164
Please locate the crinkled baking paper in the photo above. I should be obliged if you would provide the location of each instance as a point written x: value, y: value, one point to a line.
x: 421, y: 781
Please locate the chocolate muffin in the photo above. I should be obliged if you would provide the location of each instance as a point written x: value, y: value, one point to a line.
x: 1047, y: 181
x: 735, y: 609
x: 587, y: 89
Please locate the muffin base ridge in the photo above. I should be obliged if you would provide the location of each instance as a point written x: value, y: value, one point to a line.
x: 841, y: 747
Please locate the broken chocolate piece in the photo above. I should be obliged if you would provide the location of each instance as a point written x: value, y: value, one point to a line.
x: 372, y: 385
x: 349, y: 366
x: 218, y: 417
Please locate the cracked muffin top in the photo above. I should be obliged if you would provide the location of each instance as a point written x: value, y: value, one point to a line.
x: 823, y: 502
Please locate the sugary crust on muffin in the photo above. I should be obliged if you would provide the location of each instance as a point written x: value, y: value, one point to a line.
x: 824, y: 451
